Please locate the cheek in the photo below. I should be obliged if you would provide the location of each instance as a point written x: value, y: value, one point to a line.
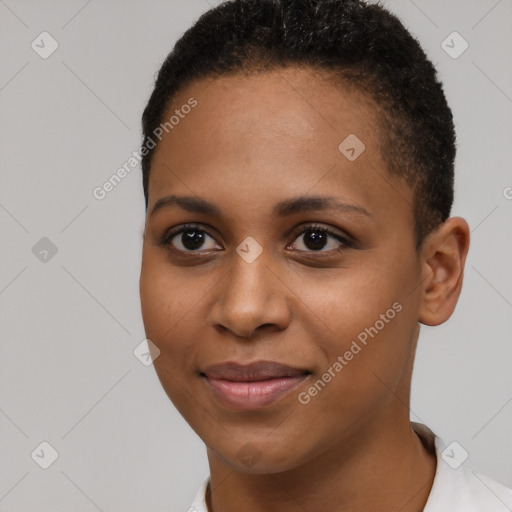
x: 165, y: 311
x: 368, y: 321
x: 164, y: 305
x: 349, y: 304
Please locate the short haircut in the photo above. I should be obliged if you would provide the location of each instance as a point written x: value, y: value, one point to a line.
x: 356, y: 43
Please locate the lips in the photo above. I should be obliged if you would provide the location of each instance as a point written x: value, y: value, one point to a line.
x: 261, y: 370
x: 254, y: 385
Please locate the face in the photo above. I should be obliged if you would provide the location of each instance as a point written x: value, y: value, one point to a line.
x: 279, y: 274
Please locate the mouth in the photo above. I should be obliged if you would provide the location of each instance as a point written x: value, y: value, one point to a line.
x: 254, y: 385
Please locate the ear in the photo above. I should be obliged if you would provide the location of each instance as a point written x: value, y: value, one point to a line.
x: 443, y: 256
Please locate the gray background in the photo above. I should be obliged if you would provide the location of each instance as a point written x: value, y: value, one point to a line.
x: 69, y: 325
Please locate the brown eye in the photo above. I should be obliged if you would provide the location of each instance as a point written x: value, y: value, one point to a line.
x: 319, y: 239
x: 190, y: 239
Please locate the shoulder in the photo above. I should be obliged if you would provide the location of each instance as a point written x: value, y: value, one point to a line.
x: 458, y: 488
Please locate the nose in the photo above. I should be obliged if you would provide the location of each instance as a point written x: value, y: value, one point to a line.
x: 250, y: 297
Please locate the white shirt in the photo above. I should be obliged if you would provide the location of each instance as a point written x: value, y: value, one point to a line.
x: 456, y: 488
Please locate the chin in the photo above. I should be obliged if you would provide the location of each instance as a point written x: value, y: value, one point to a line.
x: 256, y: 458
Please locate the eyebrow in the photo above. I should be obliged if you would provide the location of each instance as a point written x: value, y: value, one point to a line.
x: 303, y: 204
x: 285, y: 208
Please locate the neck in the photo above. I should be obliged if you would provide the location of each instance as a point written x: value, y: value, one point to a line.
x: 386, y: 469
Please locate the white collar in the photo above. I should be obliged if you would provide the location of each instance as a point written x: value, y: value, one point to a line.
x: 457, y: 488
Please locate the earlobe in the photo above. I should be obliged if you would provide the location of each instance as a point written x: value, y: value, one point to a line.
x: 443, y: 259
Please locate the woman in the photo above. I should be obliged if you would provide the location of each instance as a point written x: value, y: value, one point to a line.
x: 298, y: 173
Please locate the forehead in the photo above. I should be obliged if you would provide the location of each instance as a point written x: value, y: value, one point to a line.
x: 301, y: 104
x: 273, y: 134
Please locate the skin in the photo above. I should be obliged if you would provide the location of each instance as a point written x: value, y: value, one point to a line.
x: 250, y: 143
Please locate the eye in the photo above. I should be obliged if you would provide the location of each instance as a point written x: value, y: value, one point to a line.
x: 190, y: 238
x: 320, y: 239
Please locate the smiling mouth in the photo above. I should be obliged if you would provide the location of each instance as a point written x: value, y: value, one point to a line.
x: 254, y: 385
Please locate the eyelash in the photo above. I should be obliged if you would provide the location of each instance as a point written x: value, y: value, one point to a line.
x: 346, y: 242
